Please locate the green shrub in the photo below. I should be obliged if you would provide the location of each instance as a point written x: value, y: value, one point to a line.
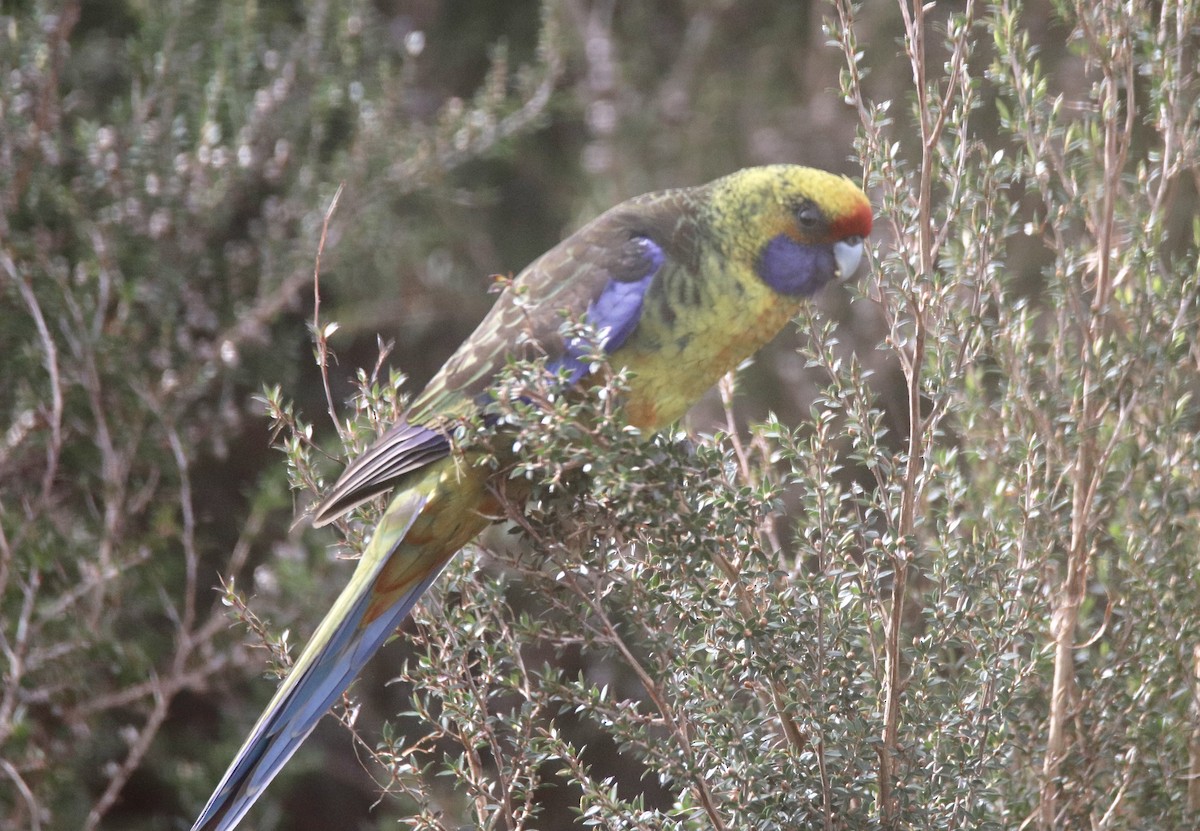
x: 951, y: 584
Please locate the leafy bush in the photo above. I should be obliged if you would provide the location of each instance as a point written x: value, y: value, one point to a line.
x: 951, y: 584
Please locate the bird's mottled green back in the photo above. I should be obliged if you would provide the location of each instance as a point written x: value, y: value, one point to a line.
x: 560, y: 284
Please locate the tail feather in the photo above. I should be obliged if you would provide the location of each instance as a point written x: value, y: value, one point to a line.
x: 334, y: 656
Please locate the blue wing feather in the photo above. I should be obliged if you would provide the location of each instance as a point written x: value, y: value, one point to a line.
x: 615, y: 312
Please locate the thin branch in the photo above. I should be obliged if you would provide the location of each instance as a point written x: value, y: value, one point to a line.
x: 137, y: 752
x: 50, y: 355
x: 321, y: 333
x: 191, y: 558
x: 31, y: 803
x: 15, y: 653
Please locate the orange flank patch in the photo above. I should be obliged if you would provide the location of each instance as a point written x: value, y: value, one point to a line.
x: 419, y: 538
x: 642, y: 412
x: 408, y: 566
x: 490, y: 508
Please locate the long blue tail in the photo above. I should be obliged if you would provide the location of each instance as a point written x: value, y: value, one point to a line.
x: 331, y: 660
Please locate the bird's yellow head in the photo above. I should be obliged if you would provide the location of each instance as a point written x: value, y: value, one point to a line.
x: 800, y: 228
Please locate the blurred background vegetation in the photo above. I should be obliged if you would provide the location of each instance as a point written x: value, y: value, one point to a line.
x: 936, y: 569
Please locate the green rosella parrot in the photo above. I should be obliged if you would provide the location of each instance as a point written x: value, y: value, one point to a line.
x: 681, y: 286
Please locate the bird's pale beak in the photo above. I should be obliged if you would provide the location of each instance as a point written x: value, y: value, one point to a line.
x: 848, y: 254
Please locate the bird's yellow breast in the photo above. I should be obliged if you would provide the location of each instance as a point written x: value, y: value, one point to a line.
x: 675, y: 358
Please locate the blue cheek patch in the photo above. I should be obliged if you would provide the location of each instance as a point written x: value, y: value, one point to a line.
x: 795, y: 269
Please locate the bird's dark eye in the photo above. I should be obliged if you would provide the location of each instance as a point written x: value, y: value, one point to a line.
x: 808, y: 217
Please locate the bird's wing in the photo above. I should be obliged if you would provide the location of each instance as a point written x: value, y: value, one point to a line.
x: 401, y: 450
x: 603, y: 270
